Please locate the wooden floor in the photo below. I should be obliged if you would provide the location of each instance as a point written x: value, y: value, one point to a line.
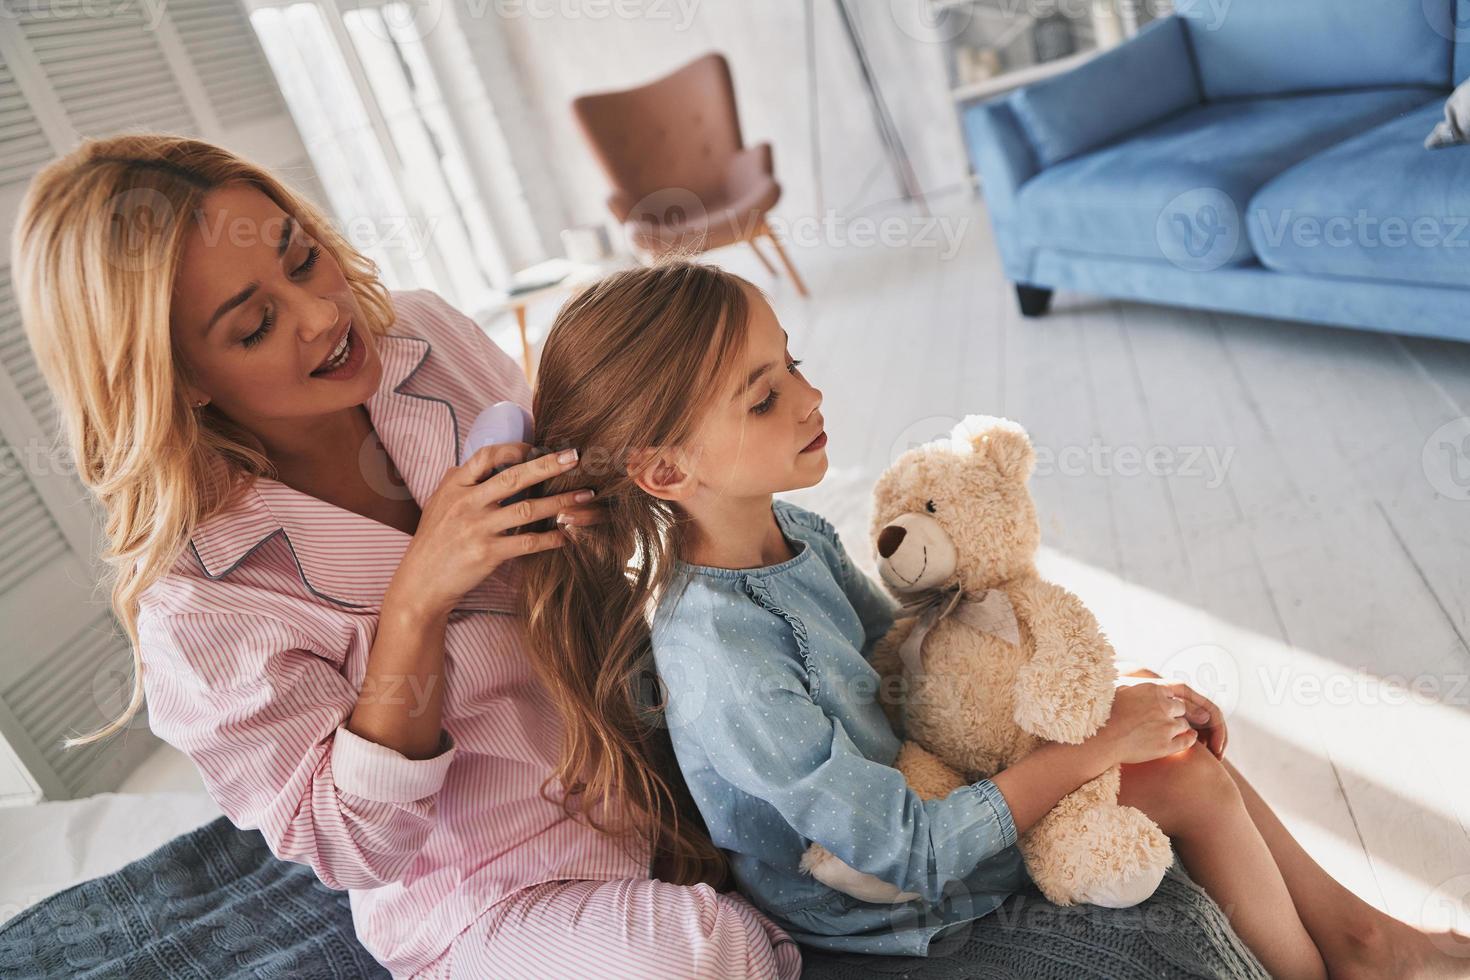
x: 1294, y: 551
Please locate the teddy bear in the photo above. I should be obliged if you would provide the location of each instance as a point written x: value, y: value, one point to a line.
x: 993, y: 661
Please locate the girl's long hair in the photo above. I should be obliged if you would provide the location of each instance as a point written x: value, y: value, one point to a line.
x: 630, y: 363
x: 94, y: 254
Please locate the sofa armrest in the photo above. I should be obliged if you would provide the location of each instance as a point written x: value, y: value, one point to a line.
x: 747, y: 167
x: 1148, y: 77
x: 1004, y: 159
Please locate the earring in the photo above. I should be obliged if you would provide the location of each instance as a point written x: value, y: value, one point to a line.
x: 200, y: 404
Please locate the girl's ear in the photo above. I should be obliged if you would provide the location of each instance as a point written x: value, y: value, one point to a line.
x: 662, y: 473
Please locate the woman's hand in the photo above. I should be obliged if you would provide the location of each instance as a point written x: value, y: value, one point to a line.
x: 1203, y: 714
x: 1147, y: 722
x: 465, y: 533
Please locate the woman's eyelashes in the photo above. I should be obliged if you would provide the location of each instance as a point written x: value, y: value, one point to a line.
x: 266, y: 323
x: 765, y: 404
x: 269, y: 320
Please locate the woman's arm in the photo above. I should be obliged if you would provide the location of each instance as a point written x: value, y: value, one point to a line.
x: 407, y: 655
x: 262, y: 717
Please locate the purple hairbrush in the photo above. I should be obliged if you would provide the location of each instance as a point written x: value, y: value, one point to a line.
x: 500, y: 423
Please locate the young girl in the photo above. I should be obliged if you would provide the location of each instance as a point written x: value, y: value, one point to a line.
x: 676, y: 384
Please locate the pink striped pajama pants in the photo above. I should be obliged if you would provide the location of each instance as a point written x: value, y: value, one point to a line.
x: 642, y: 929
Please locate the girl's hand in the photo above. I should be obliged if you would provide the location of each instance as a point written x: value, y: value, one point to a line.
x: 1147, y: 722
x: 465, y: 534
x: 1203, y: 714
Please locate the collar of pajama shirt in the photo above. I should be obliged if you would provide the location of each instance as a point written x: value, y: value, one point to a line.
x: 414, y: 412
x: 255, y: 648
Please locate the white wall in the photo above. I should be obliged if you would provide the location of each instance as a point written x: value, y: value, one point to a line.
x: 564, y: 48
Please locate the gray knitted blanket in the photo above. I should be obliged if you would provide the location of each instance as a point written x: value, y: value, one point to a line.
x: 1179, y: 932
x: 211, y: 904
x: 215, y: 904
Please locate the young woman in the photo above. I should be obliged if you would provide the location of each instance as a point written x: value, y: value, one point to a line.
x: 323, y: 594
x: 680, y: 379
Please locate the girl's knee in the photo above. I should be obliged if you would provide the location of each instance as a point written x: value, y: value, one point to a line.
x: 1177, y: 788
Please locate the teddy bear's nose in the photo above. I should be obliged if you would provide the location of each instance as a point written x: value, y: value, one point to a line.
x: 889, y: 539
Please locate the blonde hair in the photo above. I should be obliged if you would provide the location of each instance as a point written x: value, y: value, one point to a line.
x: 94, y: 254
x: 631, y: 363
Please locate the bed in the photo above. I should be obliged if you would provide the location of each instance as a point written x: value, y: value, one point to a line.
x: 204, y: 900
x: 159, y: 885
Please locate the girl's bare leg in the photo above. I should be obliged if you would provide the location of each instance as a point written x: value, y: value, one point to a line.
x: 1356, y: 939
x: 1223, y: 851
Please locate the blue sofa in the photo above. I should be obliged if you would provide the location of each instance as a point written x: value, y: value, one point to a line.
x: 1254, y: 156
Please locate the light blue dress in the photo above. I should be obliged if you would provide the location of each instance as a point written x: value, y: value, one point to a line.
x: 775, y: 721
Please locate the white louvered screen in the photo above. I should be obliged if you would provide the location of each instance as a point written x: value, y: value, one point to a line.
x: 31, y: 536
x: 21, y: 368
x: 23, y: 146
x: 20, y: 364
x: 107, y: 70
x: 85, y: 677
x: 64, y: 665
x: 71, y: 68
x: 67, y: 666
x: 226, y: 55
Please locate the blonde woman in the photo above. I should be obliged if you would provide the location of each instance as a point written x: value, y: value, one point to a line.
x: 322, y: 594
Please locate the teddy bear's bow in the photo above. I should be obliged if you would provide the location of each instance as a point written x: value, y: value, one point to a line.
x: 989, y: 612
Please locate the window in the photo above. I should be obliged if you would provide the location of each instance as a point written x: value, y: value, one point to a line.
x: 364, y: 95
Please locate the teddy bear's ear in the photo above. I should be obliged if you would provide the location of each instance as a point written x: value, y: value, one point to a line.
x: 1001, y: 442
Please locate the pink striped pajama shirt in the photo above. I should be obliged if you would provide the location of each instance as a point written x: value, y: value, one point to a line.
x: 255, y: 646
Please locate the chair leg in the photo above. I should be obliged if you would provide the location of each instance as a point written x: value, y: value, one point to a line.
x: 528, y: 362
x: 785, y: 262
x: 1034, y: 300
x: 771, y: 269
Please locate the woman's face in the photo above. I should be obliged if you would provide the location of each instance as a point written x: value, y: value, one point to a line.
x: 260, y: 310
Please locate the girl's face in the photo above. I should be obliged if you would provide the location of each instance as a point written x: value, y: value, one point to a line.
x: 259, y: 309
x: 764, y: 433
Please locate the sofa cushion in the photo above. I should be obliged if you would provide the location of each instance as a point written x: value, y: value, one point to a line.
x: 1176, y: 190
x: 1461, y: 31
x: 1377, y: 206
x: 1117, y: 92
x: 1275, y: 47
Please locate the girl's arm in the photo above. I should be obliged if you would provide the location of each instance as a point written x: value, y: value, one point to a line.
x: 264, y: 719
x: 756, y: 723
x: 779, y: 746
x: 1038, y: 781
